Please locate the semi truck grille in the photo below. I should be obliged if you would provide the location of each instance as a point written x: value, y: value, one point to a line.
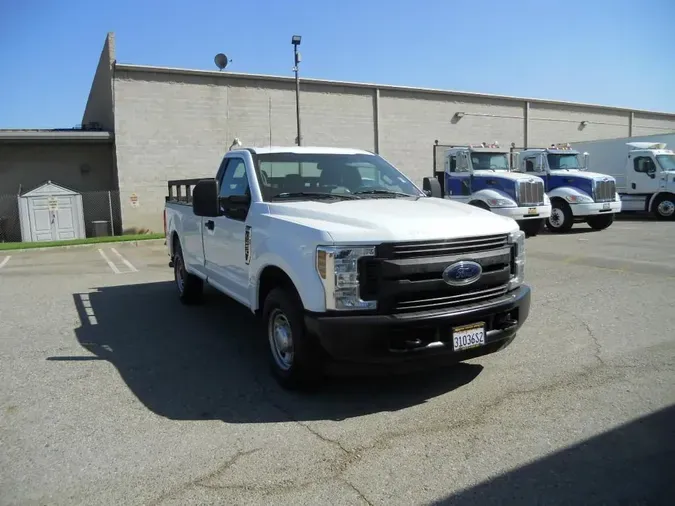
x: 530, y: 193
x: 605, y: 191
x: 408, y: 277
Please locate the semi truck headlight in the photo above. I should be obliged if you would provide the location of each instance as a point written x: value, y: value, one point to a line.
x: 547, y: 200
x: 501, y: 203
x: 338, y: 269
x: 517, y: 241
x: 578, y: 199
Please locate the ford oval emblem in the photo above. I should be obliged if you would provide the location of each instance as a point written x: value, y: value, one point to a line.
x: 462, y: 273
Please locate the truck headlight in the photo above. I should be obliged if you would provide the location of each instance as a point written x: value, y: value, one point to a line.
x: 547, y: 200
x: 517, y: 241
x: 579, y: 199
x: 501, y: 203
x: 338, y: 269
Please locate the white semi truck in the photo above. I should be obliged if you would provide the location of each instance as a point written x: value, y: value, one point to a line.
x: 480, y: 175
x: 644, y: 170
x: 576, y: 194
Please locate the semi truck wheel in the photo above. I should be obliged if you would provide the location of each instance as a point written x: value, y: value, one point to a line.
x: 295, y: 359
x: 664, y: 207
x: 561, y: 219
x: 531, y: 227
x: 190, y: 287
x: 600, y: 222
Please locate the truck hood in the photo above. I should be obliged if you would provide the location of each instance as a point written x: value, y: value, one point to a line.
x: 581, y: 174
x: 393, y: 219
x: 511, y: 176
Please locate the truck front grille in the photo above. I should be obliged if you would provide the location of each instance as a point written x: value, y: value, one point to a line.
x: 530, y: 193
x: 605, y: 191
x: 408, y: 277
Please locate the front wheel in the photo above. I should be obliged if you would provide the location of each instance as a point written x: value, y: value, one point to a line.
x: 664, y: 207
x: 561, y: 219
x: 295, y: 358
x: 600, y: 222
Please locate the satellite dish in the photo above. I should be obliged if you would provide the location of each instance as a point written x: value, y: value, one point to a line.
x: 221, y: 61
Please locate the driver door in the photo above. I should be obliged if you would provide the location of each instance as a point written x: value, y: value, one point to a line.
x: 224, y: 250
x: 643, y: 178
x: 458, y: 178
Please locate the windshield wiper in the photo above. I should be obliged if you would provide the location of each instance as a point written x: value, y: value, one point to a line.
x: 384, y: 192
x: 321, y: 195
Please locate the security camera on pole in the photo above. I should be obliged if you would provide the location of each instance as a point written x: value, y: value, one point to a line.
x: 296, y: 42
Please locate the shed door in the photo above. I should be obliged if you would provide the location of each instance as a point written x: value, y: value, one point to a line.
x: 64, y: 218
x: 52, y: 218
x: 40, y: 219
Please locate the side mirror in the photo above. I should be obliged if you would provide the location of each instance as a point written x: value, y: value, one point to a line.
x: 432, y: 187
x: 515, y: 161
x: 205, y: 198
x: 587, y: 159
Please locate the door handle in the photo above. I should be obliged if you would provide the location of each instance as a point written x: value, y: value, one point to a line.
x: 210, y: 224
x: 632, y: 185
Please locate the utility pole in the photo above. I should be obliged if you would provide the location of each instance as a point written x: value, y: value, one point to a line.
x: 296, y: 42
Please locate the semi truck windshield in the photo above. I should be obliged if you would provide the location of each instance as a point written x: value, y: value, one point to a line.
x: 489, y: 161
x: 559, y: 162
x: 667, y: 162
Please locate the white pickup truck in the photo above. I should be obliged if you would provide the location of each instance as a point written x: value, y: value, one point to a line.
x: 345, y: 259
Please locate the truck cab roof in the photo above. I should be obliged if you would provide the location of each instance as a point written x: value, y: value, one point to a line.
x: 310, y: 150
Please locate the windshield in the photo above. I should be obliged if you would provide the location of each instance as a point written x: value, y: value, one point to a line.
x: 559, y: 162
x: 307, y: 176
x: 489, y: 161
x: 667, y: 162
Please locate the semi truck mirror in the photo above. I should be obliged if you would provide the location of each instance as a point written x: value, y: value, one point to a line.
x: 587, y: 160
x: 205, y: 198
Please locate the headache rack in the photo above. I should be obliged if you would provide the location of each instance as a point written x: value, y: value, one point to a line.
x: 180, y: 190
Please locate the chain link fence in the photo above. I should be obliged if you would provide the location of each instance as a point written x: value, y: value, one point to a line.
x: 101, y: 209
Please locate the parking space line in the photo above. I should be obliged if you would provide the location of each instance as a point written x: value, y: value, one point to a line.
x: 112, y: 265
x: 4, y: 261
x: 124, y: 260
x: 88, y: 310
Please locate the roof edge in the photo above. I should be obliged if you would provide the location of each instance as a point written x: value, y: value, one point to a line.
x: 267, y: 77
x: 50, y: 135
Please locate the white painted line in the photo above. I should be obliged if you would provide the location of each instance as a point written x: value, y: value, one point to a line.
x: 126, y: 262
x: 112, y: 265
x: 4, y: 261
x: 86, y: 303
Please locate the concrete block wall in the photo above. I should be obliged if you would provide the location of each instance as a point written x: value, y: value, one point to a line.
x: 173, y: 123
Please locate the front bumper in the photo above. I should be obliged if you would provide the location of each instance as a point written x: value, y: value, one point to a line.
x: 418, y: 336
x: 596, y: 208
x: 524, y: 213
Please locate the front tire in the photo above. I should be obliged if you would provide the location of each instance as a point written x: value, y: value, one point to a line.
x: 190, y: 287
x: 295, y: 358
x: 600, y: 222
x: 664, y: 207
x: 561, y: 219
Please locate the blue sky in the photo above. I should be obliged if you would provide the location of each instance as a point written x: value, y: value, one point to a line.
x: 598, y: 51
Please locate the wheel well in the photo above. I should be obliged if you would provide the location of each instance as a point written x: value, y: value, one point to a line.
x: 272, y: 277
x: 174, y: 240
x: 658, y: 197
x: 479, y: 203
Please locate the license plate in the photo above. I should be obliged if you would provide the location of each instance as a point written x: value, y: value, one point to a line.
x: 605, y: 206
x: 532, y: 210
x: 468, y: 336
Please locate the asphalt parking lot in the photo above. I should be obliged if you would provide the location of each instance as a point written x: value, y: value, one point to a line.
x: 114, y: 393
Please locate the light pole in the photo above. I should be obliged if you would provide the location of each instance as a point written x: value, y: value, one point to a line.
x: 296, y: 42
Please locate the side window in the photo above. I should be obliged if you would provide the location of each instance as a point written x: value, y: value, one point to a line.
x: 234, y: 180
x: 453, y: 164
x: 644, y: 164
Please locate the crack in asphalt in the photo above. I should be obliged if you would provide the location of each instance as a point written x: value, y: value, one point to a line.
x: 596, y: 342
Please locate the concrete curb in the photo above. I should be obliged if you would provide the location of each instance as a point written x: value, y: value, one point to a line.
x: 94, y: 245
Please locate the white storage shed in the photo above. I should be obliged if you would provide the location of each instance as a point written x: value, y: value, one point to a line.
x: 51, y: 212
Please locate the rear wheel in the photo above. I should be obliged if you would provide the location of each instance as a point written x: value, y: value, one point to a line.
x: 561, y: 219
x: 664, y: 207
x: 295, y: 358
x: 600, y: 222
x: 190, y: 287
